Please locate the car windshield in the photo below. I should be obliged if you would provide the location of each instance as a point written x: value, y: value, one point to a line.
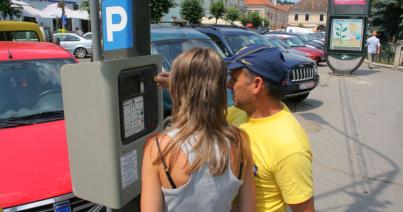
x: 169, y: 49
x: 293, y: 42
x: 29, y: 88
x: 273, y: 43
x: 238, y: 41
x: 281, y: 43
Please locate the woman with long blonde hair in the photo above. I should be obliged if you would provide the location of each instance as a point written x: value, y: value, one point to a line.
x: 200, y: 163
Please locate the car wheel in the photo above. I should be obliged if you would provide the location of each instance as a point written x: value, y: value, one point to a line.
x: 300, y: 98
x: 80, y: 53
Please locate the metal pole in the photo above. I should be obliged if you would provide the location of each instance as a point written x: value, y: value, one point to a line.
x: 95, y: 29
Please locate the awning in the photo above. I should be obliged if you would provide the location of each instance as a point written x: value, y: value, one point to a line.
x: 28, y: 10
x: 53, y: 11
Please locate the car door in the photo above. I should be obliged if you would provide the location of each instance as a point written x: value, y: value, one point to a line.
x: 70, y: 42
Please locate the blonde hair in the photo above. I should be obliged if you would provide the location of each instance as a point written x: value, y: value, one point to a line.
x: 199, y: 107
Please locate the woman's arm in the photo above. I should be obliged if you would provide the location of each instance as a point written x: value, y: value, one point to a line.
x: 246, y: 196
x: 151, y: 196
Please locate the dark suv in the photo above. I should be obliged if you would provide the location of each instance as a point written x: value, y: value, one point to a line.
x: 302, y: 77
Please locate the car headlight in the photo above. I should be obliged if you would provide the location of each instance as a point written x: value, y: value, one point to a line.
x: 315, y: 68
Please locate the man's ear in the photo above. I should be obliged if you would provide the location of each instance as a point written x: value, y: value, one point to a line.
x: 258, y: 85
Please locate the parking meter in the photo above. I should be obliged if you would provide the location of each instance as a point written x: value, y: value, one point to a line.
x: 346, y: 29
x: 111, y: 107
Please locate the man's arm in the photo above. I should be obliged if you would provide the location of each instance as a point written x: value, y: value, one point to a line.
x: 307, y: 206
x: 294, y: 177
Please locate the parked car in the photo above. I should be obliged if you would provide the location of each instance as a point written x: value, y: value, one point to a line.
x: 88, y: 35
x: 76, y: 44
x: 20, y: 31
x: 302, y: 76
x: 46, y: 33
x: 308, y: 40
x: 169, y: 42
x: 33, y: 153
x: 280, y: 44
x: 317, y: 55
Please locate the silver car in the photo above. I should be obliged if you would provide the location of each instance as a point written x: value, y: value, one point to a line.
x: 77, y: 45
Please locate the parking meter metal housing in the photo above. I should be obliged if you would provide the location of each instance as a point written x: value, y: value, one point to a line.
x: 110, y: 107
x: 346, y: 28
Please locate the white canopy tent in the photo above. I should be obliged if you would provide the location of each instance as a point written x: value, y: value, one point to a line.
x: 28, y: 10
x: 53, y: 11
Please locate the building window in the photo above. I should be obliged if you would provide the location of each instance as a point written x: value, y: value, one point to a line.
x: 306, y: 17
x: 321, y: 17
x: 296, y: 17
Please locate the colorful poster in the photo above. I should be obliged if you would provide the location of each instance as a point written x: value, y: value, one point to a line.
x: 349, y: 1
x: 347, y: 34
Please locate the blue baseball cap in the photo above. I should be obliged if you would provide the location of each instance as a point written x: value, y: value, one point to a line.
x: 264, y: 61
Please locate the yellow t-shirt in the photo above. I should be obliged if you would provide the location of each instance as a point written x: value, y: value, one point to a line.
x: 283, y: 160
x: 236, y: 116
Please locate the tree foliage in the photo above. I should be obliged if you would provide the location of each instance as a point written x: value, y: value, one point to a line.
x: 387, y: 16
x: 253, y: 18
x: 232, y: 14
x: 159, y: 8
x: 217, y: 9
x: 191, y: 11
x: 9, y: 9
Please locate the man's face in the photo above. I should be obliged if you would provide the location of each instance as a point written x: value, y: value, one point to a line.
x: 374, y: 33
x: 241, y: 86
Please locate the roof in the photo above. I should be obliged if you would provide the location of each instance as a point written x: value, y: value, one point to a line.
x: 31, y: 50
x: 310, y: 5
x: 168, y: 33
x: 266, y: 3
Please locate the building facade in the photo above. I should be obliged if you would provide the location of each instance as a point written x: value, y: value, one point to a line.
x: 309, y: 14
x: 276, y: 14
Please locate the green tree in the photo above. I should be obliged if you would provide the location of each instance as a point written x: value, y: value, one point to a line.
x: 85, y: 5
x: 217, y: 9
x: 266, y: 22
x: 192, y: 11
x: 9, y: 9
x: 384, y: 17
x: 159, y: 8
x: 232, y: 14
x: 253, y: 18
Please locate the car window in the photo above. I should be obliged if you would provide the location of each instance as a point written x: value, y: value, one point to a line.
x: 169, y: 49
x: 60, y: 37
x: 294, y: 42
x: 238, y: 41
x: 19, y: 36
x: 219, y: 43
x: 25, y: 87
x: 273, y: 43
x: 71, y: 38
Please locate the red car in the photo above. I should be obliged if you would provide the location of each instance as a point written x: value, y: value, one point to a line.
x: 315, y: 54
x: 33, y: 149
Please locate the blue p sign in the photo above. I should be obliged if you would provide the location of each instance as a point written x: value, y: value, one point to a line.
x: 116, y: 24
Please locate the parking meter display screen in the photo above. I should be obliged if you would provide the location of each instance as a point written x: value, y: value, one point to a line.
x: 346, y: 34
x: 349, y: 7
x: 138, y: 102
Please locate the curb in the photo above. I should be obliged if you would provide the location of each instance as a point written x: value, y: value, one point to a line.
x: 400, y: 68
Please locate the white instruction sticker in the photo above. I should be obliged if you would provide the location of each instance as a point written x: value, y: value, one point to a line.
x: 129, y: 168
x: 133, y: 115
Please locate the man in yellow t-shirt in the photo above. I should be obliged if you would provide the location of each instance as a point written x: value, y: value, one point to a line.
x: 280, y: 147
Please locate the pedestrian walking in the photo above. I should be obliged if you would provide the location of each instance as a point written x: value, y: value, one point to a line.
x: 79, y: 32
x: 201, y: 163
x: 373, y: 47
x: 280, y: 147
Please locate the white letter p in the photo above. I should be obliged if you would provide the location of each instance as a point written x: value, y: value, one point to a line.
x: 110, y: 27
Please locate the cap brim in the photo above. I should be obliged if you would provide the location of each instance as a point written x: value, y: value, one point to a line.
x: 234, y: 65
